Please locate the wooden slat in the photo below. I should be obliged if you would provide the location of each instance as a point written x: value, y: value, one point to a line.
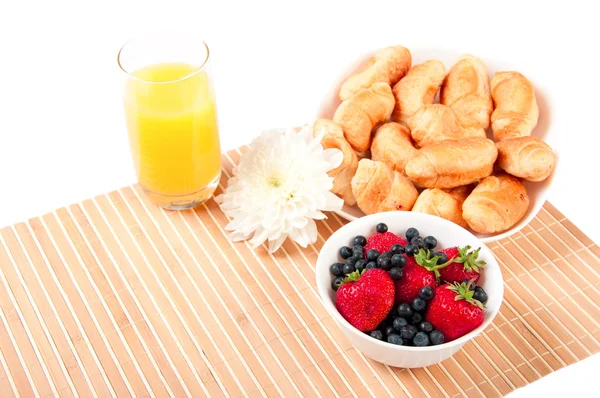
x: 116, y: 297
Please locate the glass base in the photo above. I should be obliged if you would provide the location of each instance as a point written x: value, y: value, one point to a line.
x: 183, y: 202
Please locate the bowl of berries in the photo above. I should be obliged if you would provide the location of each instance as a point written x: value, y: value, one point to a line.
x: 408, y: 289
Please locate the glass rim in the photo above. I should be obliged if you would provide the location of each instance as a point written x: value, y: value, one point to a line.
x: 131, y: 75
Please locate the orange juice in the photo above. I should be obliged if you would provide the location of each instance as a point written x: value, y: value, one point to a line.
x: 173, y: 133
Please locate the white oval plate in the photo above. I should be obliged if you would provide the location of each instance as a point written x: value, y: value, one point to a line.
x: 538, y: 191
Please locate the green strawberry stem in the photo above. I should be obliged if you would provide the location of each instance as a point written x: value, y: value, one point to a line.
x: 424, y: 259
x: 353, y: 277
x: 463, y: 292
x: 470, y: 259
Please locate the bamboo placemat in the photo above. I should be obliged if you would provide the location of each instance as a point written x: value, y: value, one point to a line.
x: 115, y: 297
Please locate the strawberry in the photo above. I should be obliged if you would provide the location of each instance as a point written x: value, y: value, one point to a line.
x: 420, y: 271
x: 463, y: 263
x: 383, y: 242
x: 453, y: 310
x: 365, y: 300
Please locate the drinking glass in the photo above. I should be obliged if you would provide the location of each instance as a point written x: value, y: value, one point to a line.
x: 171, y: 118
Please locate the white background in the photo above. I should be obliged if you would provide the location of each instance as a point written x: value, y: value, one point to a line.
x: 62, y: 134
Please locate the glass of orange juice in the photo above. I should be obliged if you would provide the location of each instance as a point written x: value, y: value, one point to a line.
x: 171, y: 118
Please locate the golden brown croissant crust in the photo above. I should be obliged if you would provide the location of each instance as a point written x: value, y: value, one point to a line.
x: 440, y: 203
x: 516, y: 111
x: 452, y: 163
x: 417, y: 88
x: 441, y: 147
x: 526, y: 157
x: 393, y: 146
x: 467, y: 91
x: 333, y: 137
x: 496, y: 204
x: 362, y: 112
x: 437, y: 122
x: 378, y: 188
x: 388, y: 65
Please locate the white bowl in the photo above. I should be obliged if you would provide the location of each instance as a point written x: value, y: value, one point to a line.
x: 448, y: 234
x: 537, y: 191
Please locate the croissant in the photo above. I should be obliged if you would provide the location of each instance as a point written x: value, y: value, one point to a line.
x: 444, y: 204
x: 526, y: 157
x: 392, y: 145
x: 333, y: 137
x: 451, y: 163
x: 388, y: 65
x: 359, y: 114
x: 516, y: 112
x: 365, y: 154
x: 437, y: 122
x: 417, y: 88
x: 377, y: 188
x: 467, y: 91
x: 496, y: 204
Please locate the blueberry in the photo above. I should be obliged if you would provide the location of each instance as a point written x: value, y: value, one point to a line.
x: 381, y: 228
x: 396, y: 273
x: 336, y: 269
x: 348, y: 269
x: 426, y: 293
x: 419, y: 304
x: 386, y: 254
x: 430, y: 242
x: 360, y: 265
x: 371, y: 265
x: 416, y: 318
x: 466, y: 282
x: 480, y: 294
x: 384, y: 324
x: 398, y: 260
x: 417, y: 241
x: 345, y: 252
x: 359, y: 240
x: 411, y: 233
x: 407, y: 342
x: 384, y: 262
x: 357, y: 249
x: 405, y: 311
x: 399, y: 322
x: 394, y: 339
x: 376, y: 334
x: 442, y: 257
x: 436, y: 337
x: 426, y: 327
x: 372, y: 255
x: 335, y: 284
x: 389, y: 330
x: 411, y: 250
x: 421, y: 339
x: 397, y: 249
x: 408, y: 331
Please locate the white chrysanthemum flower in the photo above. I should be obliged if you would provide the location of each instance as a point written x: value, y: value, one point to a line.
x: 280, y: 187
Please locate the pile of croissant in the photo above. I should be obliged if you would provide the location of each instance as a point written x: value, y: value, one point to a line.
x: 396, y: 140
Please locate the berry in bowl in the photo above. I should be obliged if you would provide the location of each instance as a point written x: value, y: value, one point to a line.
x: 408, y: 289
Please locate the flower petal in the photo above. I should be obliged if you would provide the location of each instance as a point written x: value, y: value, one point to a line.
x: 280, y: 187
x: 275, y: 244
x: 334, y: 157
x: 300, y: 236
